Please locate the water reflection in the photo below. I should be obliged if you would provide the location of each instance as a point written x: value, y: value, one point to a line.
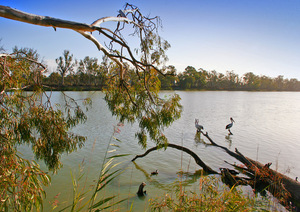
x: 198, y: 140
x: 189, y: 178
x: 149, y: 177
x: 228, y: 140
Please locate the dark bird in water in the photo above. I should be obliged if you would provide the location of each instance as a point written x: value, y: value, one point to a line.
x: 296, y: 179
x: 155, y: 172
x: 198, y: 126
x: 141, y: 191
x: 228, y: 126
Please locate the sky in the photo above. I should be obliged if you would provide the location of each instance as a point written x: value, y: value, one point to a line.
x: 259, y: 36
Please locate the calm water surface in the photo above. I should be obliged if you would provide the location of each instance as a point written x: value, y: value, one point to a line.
x: 266, y: 128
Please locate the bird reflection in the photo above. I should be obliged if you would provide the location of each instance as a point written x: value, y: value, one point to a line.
x: 229, y: 140
x: 198, y: 140
x: 190, y: 177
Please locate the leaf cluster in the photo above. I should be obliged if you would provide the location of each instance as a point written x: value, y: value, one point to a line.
x: 138, y: 100
x: 21, y: 182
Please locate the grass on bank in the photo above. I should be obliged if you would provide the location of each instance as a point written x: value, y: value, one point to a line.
x: 211, y: 196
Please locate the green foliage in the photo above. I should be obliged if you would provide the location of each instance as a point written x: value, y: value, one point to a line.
x: 65, y: 64
x: 30, y: 118
x: 212, y: 80
x: 21, y: 182
x: 131, y: 102
x: 132, y: 91
x: 210, y: 197
x: 168, y: 82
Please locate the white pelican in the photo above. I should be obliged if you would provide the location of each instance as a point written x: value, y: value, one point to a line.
x: 198, y: 126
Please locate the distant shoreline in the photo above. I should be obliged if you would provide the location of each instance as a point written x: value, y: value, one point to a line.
x: 97, y: 88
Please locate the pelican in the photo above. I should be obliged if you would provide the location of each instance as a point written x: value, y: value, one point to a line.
x: 141, y: 192
x: 228, y: 126
x: 198, y: 126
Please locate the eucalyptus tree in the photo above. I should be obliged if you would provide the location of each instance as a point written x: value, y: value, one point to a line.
x: 251, y: 81
x: 279, y: 83
x: 65, y: 64
x: 212, y: 79
x: 54, y: 79
x: 128, y: 101
x: 293, y: 85
x: 90, y: 67
x: 169, y: 82
x: 232, y: 80
x: 33, y: 120
x: 202, y: 78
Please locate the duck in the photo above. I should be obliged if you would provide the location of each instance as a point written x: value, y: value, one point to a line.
x: 155, y: 172
x: 141, y: 191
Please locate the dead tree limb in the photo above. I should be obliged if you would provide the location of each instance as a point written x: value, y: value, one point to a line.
x: 139, y: 22
x: 186, y: 150
x: 282, y: 187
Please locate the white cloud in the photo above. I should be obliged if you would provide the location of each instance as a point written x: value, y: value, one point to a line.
x: 51, y: 65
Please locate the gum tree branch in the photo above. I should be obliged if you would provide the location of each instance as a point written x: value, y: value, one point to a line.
x: 205, y: 167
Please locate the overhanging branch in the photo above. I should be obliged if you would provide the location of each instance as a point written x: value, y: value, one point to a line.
x: 186, y: 150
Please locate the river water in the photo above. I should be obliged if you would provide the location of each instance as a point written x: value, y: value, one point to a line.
x: 266, y: 128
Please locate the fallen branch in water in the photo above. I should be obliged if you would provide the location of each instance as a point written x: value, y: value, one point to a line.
x: 285, y: 189
x: 261, y: 177
x: 188, y: 151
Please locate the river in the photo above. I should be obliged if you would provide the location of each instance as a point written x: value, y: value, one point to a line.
x: 266, y: 128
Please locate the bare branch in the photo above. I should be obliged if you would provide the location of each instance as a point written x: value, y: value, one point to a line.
x: 14, y: 14
x: 98, y: 22
x: 188, y: 151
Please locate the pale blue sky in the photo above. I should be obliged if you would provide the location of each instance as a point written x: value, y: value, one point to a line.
x: 261, y: 36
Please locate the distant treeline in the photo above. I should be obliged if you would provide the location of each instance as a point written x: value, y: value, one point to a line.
x: 190, y: 79
x: 90, y: 74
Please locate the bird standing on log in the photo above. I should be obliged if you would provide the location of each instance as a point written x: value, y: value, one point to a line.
x: 228, y: 126
x: 198, y: 126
